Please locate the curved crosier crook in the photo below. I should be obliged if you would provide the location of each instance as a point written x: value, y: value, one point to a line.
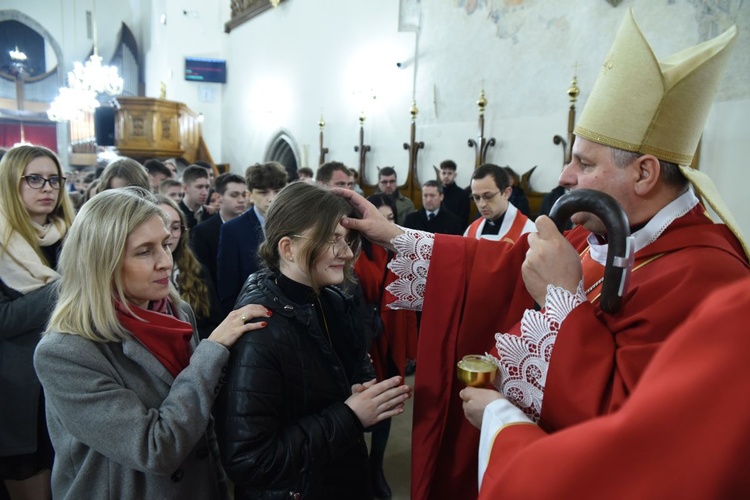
x: 620, y: 246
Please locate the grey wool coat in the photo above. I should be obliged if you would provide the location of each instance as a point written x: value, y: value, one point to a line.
x: 123, y: 427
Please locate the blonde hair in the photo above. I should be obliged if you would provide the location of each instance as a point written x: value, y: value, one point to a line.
x: 298, y: 207
x: 127, y: 169
x: 97, y: 238
x: 193, y: 290
x: 12, y: 165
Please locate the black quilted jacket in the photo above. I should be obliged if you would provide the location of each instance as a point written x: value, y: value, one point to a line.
x: 283, y: 427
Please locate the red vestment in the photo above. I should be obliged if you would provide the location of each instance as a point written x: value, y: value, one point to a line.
x: 399, y: 338
x: 597, y: 357
x: 684, y: 432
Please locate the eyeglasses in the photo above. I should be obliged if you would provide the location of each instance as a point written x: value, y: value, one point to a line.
x: 339, y: 245
x: 486, y: 197
x: 36, y: 181
x: 177, y: 228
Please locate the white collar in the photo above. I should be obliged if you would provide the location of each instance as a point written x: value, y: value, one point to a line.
x: 655, y: 227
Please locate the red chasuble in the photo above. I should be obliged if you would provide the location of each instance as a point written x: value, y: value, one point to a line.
x: 684, y: 432
x: 475, y: 289
x: 399, y: 338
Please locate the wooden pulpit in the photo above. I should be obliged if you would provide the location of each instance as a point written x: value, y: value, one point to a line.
x: 154, y: 128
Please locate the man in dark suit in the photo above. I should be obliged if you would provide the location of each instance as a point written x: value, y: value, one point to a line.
x: 456, y: 199
x: 239, y: 238
x: 204, y: 238
x: 195, y: 185
x: 431, y: 217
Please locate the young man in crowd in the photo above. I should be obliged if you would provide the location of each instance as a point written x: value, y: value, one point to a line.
x: 388, y: 184
x: 171, y: 188
x: 205, y: 236
x: 157, y: 172
x: 239, y: 238
x: 455, y: 198
x: 195, y: 186
x: 333, y: 174
x: 305, y: 174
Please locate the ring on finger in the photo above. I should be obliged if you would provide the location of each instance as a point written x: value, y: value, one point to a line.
x: 243, y: 318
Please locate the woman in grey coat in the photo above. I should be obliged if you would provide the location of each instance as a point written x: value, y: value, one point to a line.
x: 129, y: 388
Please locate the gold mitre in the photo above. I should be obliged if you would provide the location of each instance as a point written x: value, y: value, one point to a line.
x: 654, y: 107
x: 647, y: 106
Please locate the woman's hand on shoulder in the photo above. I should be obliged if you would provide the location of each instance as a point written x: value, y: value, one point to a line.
x: 373, y: 402
x: 235, y: 325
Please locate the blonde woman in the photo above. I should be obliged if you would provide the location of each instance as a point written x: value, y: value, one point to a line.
x: 35, y: 214
x: 129, y: 388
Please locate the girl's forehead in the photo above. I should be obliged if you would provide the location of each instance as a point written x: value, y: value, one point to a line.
x: 339, y: 229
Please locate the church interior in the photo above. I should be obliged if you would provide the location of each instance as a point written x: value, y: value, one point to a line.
x: 401, y: 83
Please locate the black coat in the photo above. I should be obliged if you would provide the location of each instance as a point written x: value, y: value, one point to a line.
x: 282, y: 423
x: 444, y: 222
x: 204, y: 239
x: 237, y: 257
x: 22, y: 321
x: 458, y: 202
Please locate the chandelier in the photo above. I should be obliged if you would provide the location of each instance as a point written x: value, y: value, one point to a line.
x: 17, y: 55
x: 71, y: 104
x: 94, y: 77
x: 85, y: 83
x: 18, y: 63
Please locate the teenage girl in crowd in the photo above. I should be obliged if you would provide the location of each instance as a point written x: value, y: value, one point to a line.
x: 300, y: 393
x: 122, y: 172
x: 35, y: 215
x: 188, y: 275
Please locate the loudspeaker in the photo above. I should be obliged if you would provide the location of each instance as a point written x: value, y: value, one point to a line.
x: 104, y: 125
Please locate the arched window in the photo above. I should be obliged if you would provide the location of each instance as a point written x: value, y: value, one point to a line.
x: 282, y: 150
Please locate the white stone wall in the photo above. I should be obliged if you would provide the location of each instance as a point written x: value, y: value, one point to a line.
x: 306, y: 57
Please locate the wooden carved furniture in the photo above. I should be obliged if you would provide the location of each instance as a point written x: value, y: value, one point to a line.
x: 244, y: 10
x: 323, y: 149
x: 412, y: 188
x: 481, y: 144
x: 154, y: 128
x: 362, y: 149
x: 567, y: 145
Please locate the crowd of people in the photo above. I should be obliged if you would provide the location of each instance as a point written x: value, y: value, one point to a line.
x: 166, y: 332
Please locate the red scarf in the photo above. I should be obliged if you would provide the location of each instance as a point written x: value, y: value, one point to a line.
x: 165, y: 336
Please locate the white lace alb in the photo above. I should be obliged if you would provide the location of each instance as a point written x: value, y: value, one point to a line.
x: 413, y: 254
x: 524, y: 360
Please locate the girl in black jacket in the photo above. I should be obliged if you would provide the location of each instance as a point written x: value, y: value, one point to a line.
x: 299, y: 395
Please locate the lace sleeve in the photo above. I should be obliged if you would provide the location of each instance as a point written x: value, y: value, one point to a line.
x: 412, y: 261
x: 524, y: 360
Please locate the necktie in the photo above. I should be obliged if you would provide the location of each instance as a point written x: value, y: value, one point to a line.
x: 430, y: 216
